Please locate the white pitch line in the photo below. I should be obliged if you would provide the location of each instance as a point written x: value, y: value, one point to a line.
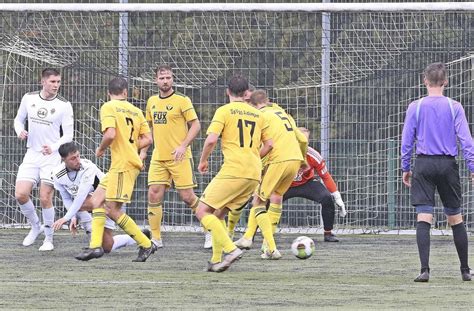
x: 233, y: 284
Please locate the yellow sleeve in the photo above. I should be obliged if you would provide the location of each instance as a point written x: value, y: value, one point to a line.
x: 144, y: 128
x: 217, y: 123
x: 148, y: 110
x: 188, y: 111
x: 107, y: 117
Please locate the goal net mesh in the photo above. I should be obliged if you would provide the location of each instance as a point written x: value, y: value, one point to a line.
x: 375, y: 64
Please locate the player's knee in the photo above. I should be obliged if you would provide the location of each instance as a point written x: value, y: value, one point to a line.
x: 155, y: 194
x: 22, y: 197
x: 46, y: 200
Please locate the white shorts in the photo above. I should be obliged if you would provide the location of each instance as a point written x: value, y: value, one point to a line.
x: 37, y: 167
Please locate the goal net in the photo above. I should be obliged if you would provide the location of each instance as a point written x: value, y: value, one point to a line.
x: 348, y: 76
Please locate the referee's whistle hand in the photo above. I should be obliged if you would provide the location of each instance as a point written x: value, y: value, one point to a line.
x: 407, y: 179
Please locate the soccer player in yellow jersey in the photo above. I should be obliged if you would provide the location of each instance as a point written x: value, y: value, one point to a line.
x: 174, y: 122
x: 242, y: 130
x: 125, y: 131
x: 280, y: 168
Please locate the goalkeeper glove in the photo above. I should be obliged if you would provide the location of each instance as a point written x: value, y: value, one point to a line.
x: 338, y: 200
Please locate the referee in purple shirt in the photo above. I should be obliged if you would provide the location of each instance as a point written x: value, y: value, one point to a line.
x: 436, y: 123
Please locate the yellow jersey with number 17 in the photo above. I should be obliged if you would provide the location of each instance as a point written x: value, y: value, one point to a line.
x: 129, y: 123
x: 242, y: 129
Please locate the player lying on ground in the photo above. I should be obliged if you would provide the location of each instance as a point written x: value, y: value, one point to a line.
x: 76, y: 179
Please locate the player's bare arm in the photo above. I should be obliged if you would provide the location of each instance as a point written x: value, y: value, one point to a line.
x: 267, y: 146
x: 107, y: 139
x: 209, y: 145
x: 144, y: 150
x: 194, y: 128
x: 144, y: 141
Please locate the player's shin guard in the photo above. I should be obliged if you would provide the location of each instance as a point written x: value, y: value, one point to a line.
x: 232, y: 219
x: 265, y: 226
x: 48, y: 219
x: 130, y: 227
x: 29, y: 211
x: 461, y: 243
x: 251, y: 224
x: 274, y: 213
x: 423, y: 242
x: 98, y: 225
x: 155, y: 216
x: 217, y: 248
x: 218, y: 231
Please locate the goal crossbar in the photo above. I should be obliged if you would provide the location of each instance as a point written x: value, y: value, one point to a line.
x: 240, y: 7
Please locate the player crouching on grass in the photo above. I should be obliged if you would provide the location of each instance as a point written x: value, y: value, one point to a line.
x: 76, y: 179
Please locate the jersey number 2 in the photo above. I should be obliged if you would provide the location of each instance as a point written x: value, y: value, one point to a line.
x: 130, y: 122
x: 240, y: 125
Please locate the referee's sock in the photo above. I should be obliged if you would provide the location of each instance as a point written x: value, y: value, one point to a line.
x: 423, y: 242
x: 461, y: 242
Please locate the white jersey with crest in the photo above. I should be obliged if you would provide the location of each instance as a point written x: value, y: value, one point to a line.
x: 75, y: 186
x: 88, y: 175
x: 46, y: 120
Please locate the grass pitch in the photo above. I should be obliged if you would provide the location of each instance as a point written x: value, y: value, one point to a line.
x: 360, y: 272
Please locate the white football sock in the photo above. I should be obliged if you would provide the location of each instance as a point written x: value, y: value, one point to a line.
x: 48, y: 219
x: 85, y: 219
x: 28, y: 209
x: 122, y: 240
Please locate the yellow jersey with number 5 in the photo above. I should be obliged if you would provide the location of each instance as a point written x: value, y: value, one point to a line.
x: 129, y: 123
x: 242, y: 129
x: 281, y: 128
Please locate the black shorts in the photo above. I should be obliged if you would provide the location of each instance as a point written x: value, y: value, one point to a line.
x: 433, y: 173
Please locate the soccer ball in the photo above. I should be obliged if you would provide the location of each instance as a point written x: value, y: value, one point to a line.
x: 302, y: 247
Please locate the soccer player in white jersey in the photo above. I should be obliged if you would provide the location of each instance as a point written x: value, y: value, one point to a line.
x: 76, y: 179
x: 50, y: 124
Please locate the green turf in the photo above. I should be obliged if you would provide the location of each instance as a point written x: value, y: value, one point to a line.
x: 360, y: 272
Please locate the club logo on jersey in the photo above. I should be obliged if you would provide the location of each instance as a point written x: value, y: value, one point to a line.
x: 169, y: 107
x: 53, y: 111
x: 42, y: 113
x: 73, y: 190
x: 159, y: 117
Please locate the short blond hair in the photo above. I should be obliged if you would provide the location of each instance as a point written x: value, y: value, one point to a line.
x: 258, y: 97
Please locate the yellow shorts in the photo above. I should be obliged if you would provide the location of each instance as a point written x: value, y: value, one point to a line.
x: 165, y: 172
x: 277, y: 178
x: 119, y: 185
x: 228, y: 192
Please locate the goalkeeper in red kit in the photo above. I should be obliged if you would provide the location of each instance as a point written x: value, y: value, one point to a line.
x: 307, y: 186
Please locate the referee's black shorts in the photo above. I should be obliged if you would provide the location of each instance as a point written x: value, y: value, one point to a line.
x: 436, y: 172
